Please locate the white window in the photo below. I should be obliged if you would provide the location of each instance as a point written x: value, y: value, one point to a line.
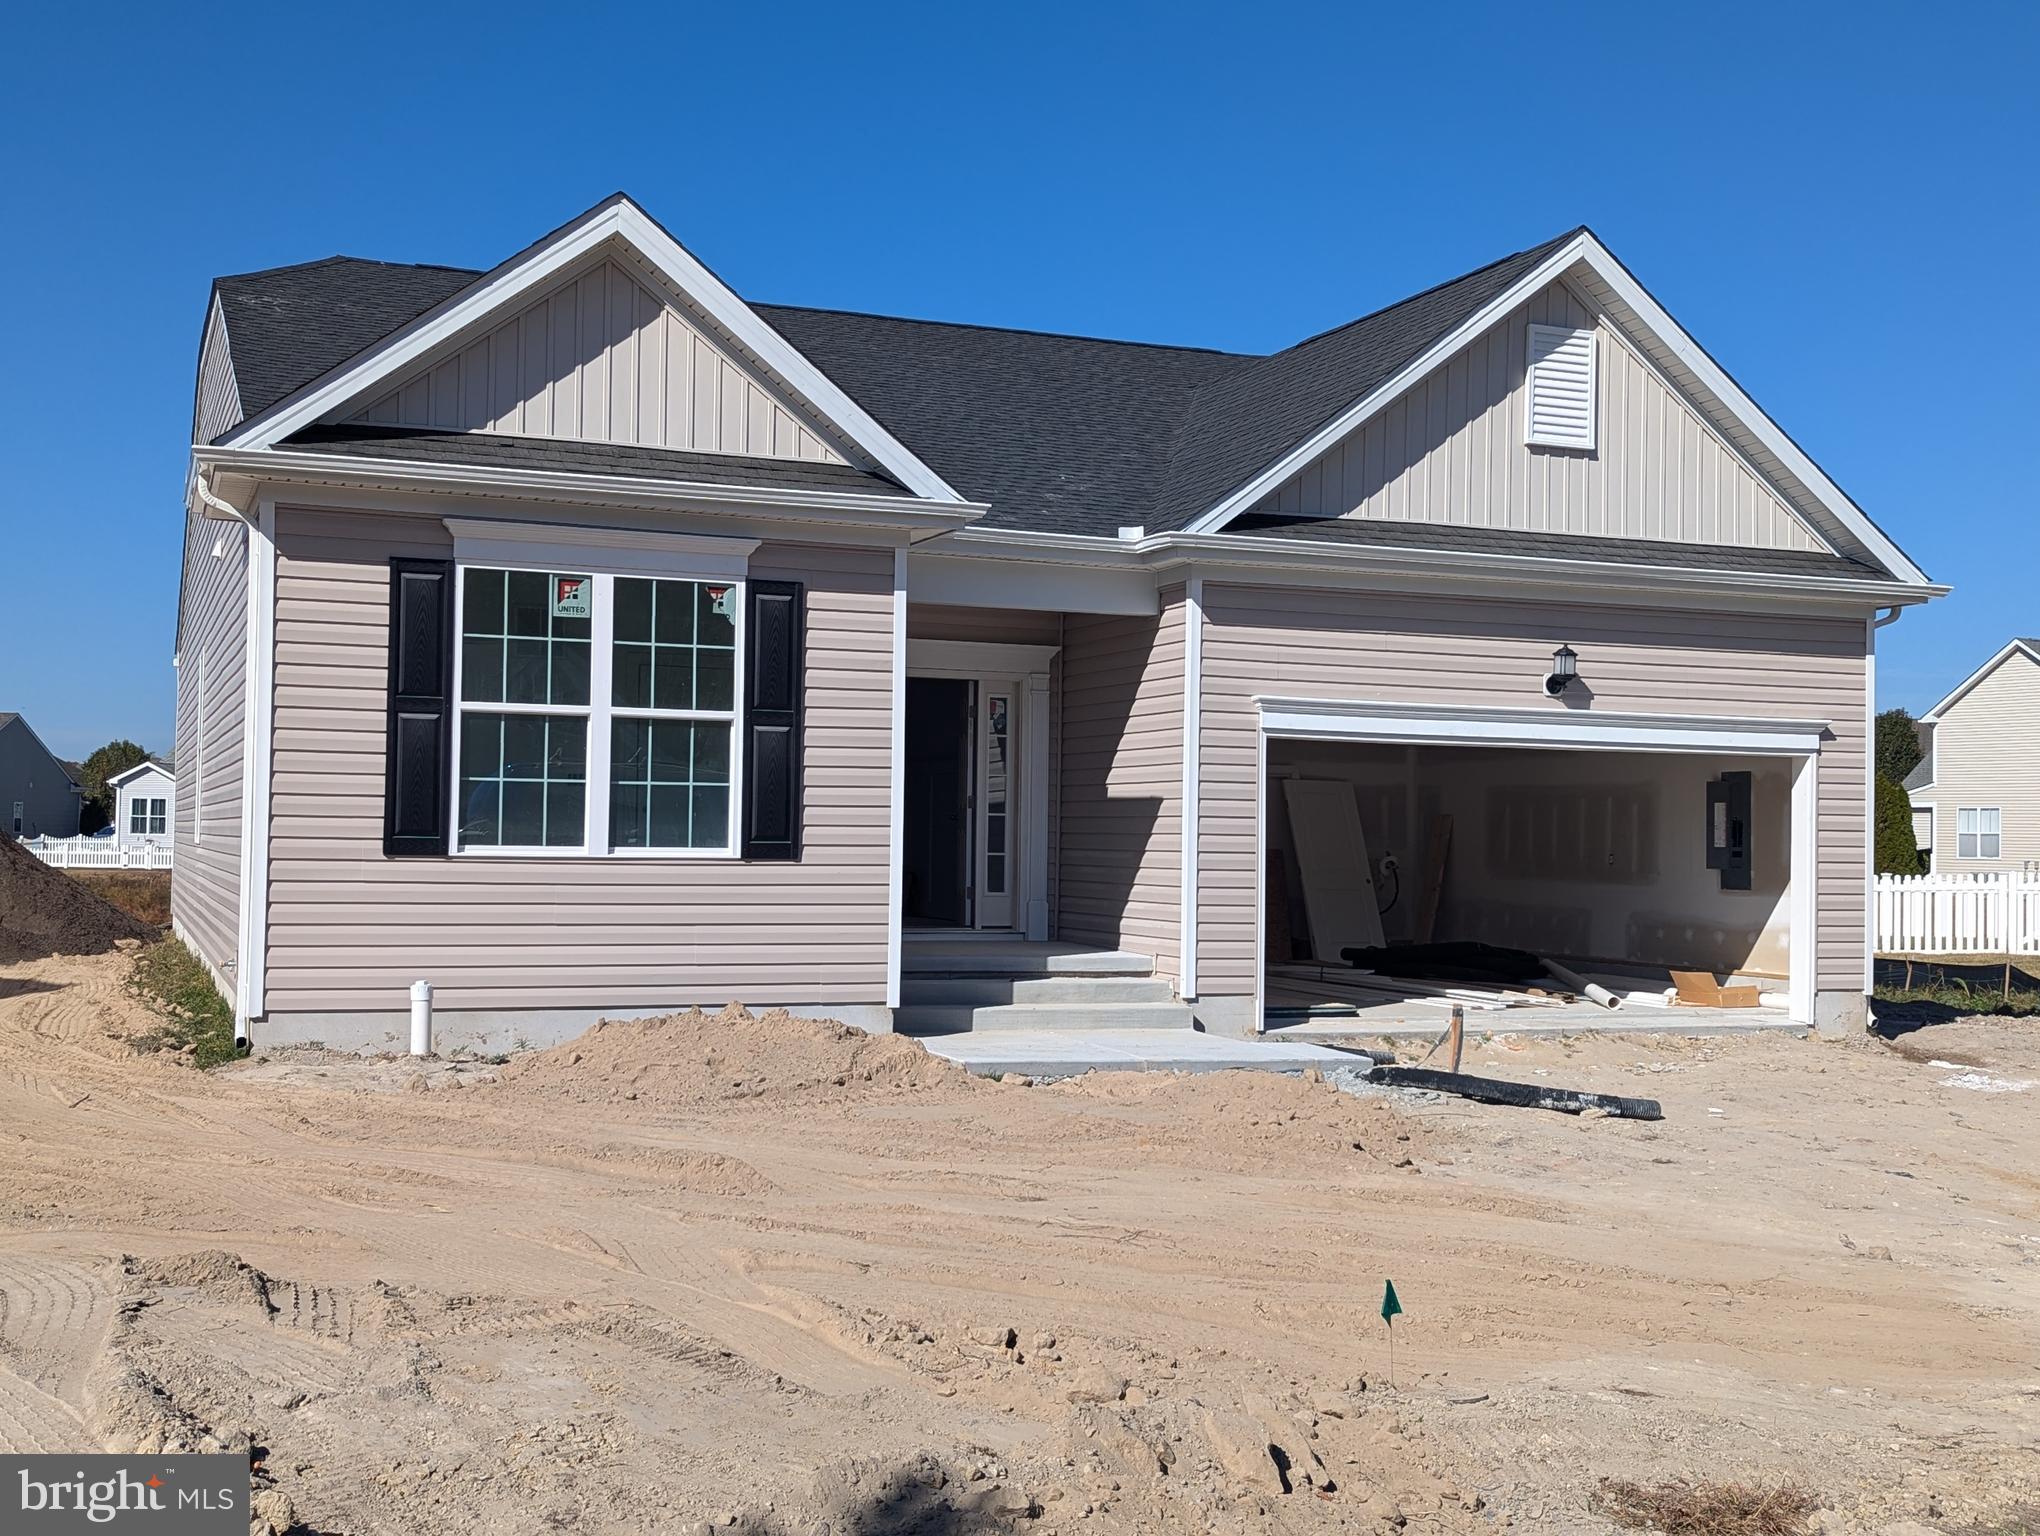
x: 147, y: 817
x: 1977, y: 832
x: 597, y: 712
x: 1560, y: 409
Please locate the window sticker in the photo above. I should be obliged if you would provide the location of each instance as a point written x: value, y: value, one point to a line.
x: 572, y: 597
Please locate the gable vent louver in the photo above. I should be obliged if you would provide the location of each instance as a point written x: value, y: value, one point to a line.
x: 1560, y: 412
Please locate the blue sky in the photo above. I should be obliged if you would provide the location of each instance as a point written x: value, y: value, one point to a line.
x: 1839, y: 201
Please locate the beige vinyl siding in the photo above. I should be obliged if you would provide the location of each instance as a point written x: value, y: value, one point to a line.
x: 1451, y: 450
x: 350, y: 929
x: 1012, y: 626
x: 602, y: 358
x: 1122, y: 782
x: 218, y: 403
x: 1984, y: 754
x: 205, y: 898
x: 1475, y: 651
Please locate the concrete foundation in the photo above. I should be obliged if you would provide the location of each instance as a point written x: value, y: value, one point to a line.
x: 1840, y: 1013
x: 490, y: 1032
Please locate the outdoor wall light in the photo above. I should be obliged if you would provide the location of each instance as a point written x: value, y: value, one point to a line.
x: 1565, y: 670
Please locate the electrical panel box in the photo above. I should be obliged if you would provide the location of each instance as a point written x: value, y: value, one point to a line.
x: 1728, y: 830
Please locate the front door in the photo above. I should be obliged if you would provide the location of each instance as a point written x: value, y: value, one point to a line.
x: 937, y: 845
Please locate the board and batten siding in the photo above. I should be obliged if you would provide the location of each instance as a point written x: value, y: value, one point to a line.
x: 603, y: 359
x: 1122, y: 782
x: 1302, y: 643
x: 205, y: 897
x: 217, y: 405
x: 1451, y: 450
x: 1984, y: 754
x: 350, y: 930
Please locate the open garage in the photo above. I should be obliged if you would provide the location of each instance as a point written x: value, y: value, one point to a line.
x: 1652, y: 860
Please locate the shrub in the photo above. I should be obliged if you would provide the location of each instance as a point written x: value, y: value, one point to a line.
x: 1897, y: 851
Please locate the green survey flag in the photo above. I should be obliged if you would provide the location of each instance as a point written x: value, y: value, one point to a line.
x: 1390, y: 1306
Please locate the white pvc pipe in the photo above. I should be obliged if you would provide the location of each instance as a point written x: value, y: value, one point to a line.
x: 1591, y: 991
x: 421, y: 1018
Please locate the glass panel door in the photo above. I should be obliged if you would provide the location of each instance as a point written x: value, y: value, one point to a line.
x: 995, y: 806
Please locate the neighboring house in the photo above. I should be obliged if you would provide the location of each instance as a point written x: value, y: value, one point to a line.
x: 37, y: 796
x: 144, y: 795
x: 585, y: 640
x: 1976, y: 793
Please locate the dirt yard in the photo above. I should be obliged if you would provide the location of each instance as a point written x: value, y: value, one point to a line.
x: 769, y: 1277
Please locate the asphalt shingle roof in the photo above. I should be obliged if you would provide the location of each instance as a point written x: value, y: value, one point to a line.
x: 1922, y: 774
x: 548, y: 453
x: 1382, y: 533
x: 1065, y: 434
x: 289, y: 325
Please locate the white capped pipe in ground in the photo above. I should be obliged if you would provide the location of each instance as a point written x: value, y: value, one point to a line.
x: 1591, y: 991
x: 421, y: 1018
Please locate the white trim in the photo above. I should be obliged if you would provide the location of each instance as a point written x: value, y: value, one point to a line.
x: 1193, y: 719
x: 1584, y: 250
x: 1597, y: 730
x: 940, y: 573
x: 1803, y: 883
x: 977, y: 658
x: 1033, y: 805
x: 1329, y: 565
x: 145, y: 766
x: 1260, y: 881
x: 1870, y: 803
x: 1339, y: 426
x: 289, y: 466
x: 896, y: 825
x: 599, y: 551
x: 1933, y: 716
x: 251, y: 967
x: 617, y: 219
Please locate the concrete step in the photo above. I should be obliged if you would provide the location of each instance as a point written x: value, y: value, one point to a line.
x: 954, y: 1018
x: 991, y: 957
x: 990, y: 991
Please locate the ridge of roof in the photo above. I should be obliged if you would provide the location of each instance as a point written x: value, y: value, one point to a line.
x: 1000, y: 330
x: 339, y: 259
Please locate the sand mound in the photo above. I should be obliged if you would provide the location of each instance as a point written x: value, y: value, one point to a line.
x: 1257, y: 1112
x: 43, y: 911
x: 695, y: 1059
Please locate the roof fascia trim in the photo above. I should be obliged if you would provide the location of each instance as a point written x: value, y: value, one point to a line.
x: 615, y: 218
x: 140, y: 768
x: 1246, y: 553
x: 278, y: 466
x: 1377, y: 400
x: 1933, y: 716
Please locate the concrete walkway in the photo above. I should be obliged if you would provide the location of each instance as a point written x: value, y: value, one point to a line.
x: 1072, y: 1052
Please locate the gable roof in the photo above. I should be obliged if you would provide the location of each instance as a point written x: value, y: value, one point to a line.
x: 1056, y: 433
x: 1922, y: 775
x: 10, y: 717
x: 2028, y: 646
x: 141, y: 768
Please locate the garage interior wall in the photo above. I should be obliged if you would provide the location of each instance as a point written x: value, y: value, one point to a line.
x: 1582, y: 855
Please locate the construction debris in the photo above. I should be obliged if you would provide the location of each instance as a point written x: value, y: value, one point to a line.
x: 1697, y: 989
x: 1495, y: 1090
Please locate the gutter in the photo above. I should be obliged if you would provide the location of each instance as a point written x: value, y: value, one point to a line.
x: 1248, y: 552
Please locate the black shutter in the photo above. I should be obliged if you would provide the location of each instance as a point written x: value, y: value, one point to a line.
x: 420, y: 730
x: 774, y: 664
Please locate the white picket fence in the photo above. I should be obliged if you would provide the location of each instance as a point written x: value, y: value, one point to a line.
x: 1988, y: 914
x: 96, y: 853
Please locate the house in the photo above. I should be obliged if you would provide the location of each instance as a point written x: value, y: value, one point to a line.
x: 38, y: 797
x: 1976, y: 792
x: 142, y: 800
x: 586, y: 640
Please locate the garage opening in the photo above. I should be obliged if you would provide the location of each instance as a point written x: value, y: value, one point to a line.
x: 1660, y: 882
